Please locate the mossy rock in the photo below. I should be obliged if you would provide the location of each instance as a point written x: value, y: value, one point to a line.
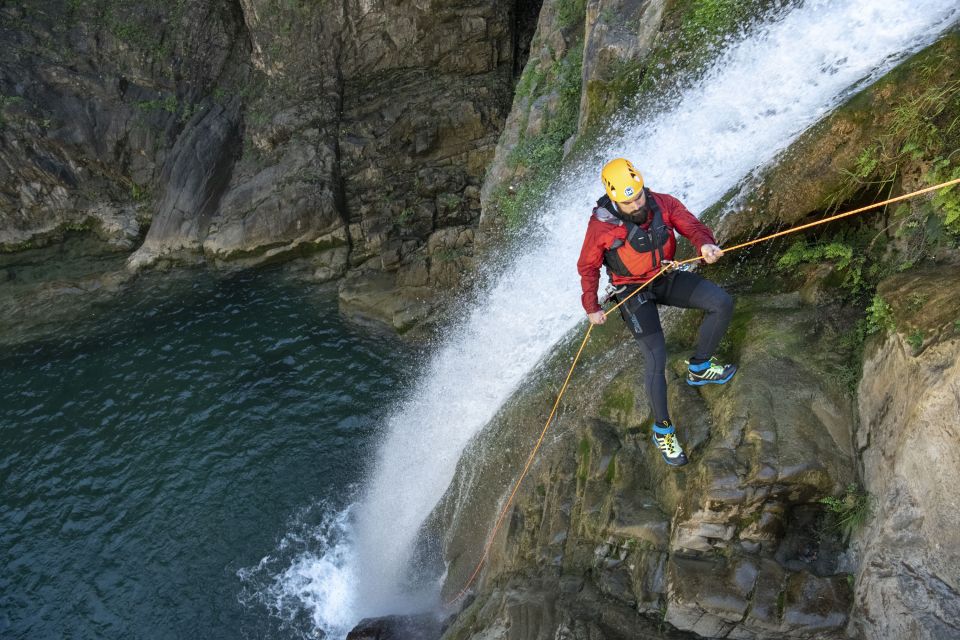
x: 925, y: 304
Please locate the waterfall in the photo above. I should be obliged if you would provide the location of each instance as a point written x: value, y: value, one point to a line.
x: 756, y: 99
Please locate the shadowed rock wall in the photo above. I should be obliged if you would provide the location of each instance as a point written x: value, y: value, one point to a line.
x: 349, y: 138
x: 908, y: 584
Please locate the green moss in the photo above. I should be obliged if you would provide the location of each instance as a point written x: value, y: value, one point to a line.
x: 406, y: 217
x: 915, y: 339
x: 168, y: 104
x: 570, y: 12
x: 695, y: 31
x: 617, y: 400
x: 749, y: 520
x: 447, y: 255
x: 611, y: 474
x: 530, y: 80
x: 79, y: 227
x: 711, y: 20
x: 605, y: 96
x: 583, y: 469
x: 449, y: 200
x: 736, y: 336
x: 920, y: 128
x: 538, y: 158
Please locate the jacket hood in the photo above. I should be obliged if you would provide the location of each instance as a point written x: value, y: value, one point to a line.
x: 605, y: 215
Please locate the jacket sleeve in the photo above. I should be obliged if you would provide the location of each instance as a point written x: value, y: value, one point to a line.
x: 591, y: 257
x: 677, y: 216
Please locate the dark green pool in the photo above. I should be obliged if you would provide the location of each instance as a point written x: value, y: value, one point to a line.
x: 170, y: 439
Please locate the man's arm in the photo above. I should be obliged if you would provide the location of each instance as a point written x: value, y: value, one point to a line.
x: 588, y: 266
x: 677, y: 216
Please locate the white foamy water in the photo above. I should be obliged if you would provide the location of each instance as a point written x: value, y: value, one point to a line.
x: 759, y: 97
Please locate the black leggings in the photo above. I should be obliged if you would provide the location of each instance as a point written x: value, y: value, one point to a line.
x: 676, y: 289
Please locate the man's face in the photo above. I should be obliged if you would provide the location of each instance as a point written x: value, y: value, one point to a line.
x: 634, y: 205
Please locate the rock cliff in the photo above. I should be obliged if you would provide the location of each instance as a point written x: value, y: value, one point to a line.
x: 350, y: 138
x: 815, y: 505
x: 374, y: 144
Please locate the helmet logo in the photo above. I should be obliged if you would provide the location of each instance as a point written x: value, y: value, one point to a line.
x: 628, y: 191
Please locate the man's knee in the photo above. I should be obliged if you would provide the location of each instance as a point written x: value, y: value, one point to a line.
x: 720, y: 302
x: 726, y: 302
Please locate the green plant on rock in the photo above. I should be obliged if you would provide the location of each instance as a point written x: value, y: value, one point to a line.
x: 848, y: 372
x: 168, y: 104
x: 946, y: 200
x: 406, y: 217
x: 449, y: 254
x: 530, y: 80
x: 569, y: 12
x: 449, y: 200
x: 611, y: 474
x: 78, y: 227
x: 843, y: 255
x: 867, y: 162
x: 6, y: 101
x: 915, y: 301
x: 137, y: 193
x: 922, y: 129
x: 915, y: 339
x: 703, y: 27
x: 849, y: 511
x: 538, y: 158
x: 712, y: 18
x: 583, y: 469
x: 879, y: 316
x: 801, y: 252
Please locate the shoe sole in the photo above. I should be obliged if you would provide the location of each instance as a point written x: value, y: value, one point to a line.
x: 700, y: 383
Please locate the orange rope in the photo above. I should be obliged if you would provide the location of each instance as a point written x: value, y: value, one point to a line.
x: 673, y: 265
x: 516, y: 486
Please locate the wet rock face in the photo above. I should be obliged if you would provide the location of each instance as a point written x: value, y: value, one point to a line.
x: 425, y: 627
x: 908, y: 585
x: 354, y: 136
x: 94, y: 98
x: 426, y: 91
x: 735, y: 544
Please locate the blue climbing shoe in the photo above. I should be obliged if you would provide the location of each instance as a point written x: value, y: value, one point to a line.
x: 709, y: 372
x: 665, y: 439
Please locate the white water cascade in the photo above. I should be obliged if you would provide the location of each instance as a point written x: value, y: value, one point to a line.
x: 756, y: 100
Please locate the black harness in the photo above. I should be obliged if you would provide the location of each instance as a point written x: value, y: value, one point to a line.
x: 649, y: 240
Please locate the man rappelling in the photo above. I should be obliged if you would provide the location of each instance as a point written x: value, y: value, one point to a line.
x: 631, y: 232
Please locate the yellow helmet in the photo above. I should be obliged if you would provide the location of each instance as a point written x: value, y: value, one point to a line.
x: 621, y: 179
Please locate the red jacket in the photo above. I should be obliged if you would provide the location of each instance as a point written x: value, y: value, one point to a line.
x: 604, y: 228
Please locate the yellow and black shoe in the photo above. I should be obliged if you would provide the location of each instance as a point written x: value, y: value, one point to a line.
x: 665, y: 439
x: 709, y: 372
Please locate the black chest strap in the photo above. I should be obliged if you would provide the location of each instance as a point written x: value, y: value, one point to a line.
x: 652, y: 239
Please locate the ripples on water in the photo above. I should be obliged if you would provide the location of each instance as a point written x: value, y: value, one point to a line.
x: 149, y: 454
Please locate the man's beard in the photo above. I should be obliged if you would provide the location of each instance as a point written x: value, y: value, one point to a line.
x: 639, y: 216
